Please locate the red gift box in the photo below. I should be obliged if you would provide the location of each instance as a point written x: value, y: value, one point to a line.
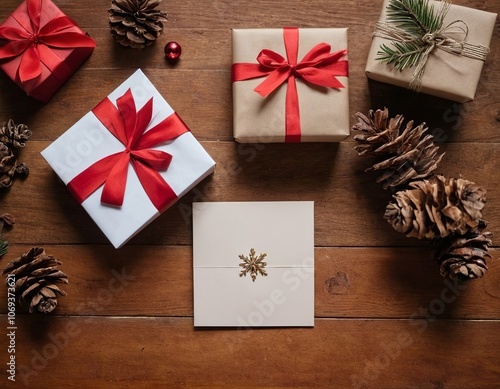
x: 40, y: 48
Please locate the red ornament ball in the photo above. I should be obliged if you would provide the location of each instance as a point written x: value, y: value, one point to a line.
x: 172, y: 51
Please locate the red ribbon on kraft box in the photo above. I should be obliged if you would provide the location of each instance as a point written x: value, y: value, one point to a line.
x: 319, y: 66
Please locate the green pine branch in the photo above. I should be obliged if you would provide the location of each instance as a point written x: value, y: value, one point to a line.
x: 415, y: 18
x: 403, y: 55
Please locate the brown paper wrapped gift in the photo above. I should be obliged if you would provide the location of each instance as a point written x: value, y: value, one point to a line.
x: 324, y: 111
x: 447, y: 75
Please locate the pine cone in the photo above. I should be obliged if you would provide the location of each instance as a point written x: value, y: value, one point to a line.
x: 36, y: 278
x: 13, y: 135
x: 409, y: 155
x: 7, y: 219
x: 437, y: 207
x: 136, y: 23
x: 9, y: 167
x: 464, y: 256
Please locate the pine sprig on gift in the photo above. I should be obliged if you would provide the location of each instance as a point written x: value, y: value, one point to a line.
x: 414, y: 19
x: 404, y: 55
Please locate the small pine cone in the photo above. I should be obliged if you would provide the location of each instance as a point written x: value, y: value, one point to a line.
x: 9, y: 167
x: 36, y: 278
x: 437, y: 207
x: 136, y: 23
x: 464, y: 256
x: 7, y: 219
x: 376, y: 131
x: 407, y: 155
x: 14, y: 136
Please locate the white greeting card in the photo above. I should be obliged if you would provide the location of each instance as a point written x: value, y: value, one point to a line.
x: 253, y: 264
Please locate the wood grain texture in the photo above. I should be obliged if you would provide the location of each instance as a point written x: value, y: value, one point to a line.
x: 349, y: 282
x: 147, y: 352
x: 384, y: 316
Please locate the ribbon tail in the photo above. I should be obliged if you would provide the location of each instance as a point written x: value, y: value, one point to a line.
x: 247, y: 71
x: 30, y: 66
x: 273, y: 81
x: 114, y: 187
x: 292, y: 113
x: 158, y: 190
x: 88, y: 181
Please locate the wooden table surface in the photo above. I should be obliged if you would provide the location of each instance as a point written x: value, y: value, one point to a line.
x: 385, y: 318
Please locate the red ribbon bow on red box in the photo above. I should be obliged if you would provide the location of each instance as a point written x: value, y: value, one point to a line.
x: 129, y: 126
x: 35, y: 43
x: 319, y: 67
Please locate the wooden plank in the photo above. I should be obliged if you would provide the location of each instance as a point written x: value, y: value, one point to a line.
x: 349, y: 283
x: 228, y: 14
x: 208, y: 94
x: 127, y: 320
x: 141, y: 353
x: 349, y: 205
x: 203, y: 99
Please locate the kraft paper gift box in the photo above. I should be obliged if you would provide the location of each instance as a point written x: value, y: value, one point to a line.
x: 123, y: 188
x: 40, y: 48
x: 266, y: 107
x: 231, y: 295
x: 447, y: 75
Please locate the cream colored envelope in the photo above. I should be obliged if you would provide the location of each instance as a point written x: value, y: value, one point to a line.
x: 223, y: 295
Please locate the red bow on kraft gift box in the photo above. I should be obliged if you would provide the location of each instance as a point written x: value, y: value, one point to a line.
x: 319, y: 67
x: 40, y: 48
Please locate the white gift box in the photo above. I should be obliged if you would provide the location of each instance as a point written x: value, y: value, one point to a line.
x: 225, y: 294
x: 89, y: 141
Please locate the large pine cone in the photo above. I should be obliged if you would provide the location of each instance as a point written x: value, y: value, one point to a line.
x: 13, y: 135
x: 136, y: 23
x: 407, y: 155
x: 464, y: 256
x: 36, y: 278
x: 437, y: 207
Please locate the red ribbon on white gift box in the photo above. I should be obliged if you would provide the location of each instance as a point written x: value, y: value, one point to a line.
x: 130, y: 127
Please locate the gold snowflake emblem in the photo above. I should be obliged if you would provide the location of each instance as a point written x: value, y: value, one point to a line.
x: 253, y: 264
